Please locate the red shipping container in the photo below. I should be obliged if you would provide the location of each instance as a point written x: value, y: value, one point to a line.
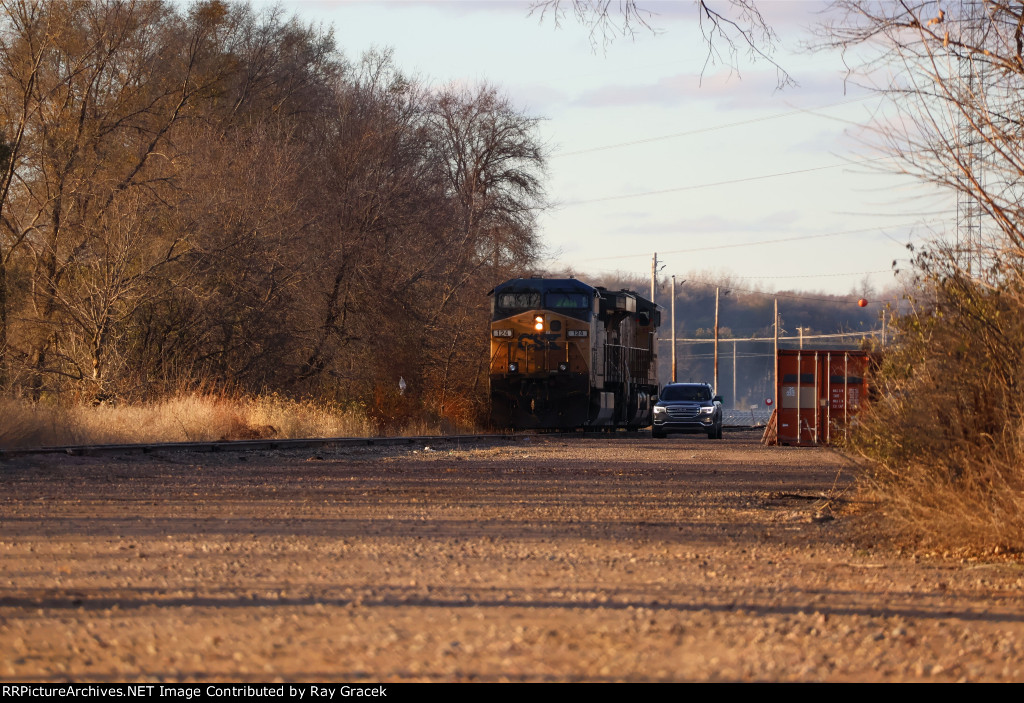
x: 819, y: 393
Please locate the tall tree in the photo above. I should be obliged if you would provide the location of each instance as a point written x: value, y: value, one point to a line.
x: 493, y: 166
x: 115, y: 79
x: 24, y: 38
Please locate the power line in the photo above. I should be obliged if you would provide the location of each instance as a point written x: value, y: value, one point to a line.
x: 704, y: 130
x: 734, y: 181
x: 793, y: 296
x: 721, y: 341
x: 749, y: 244
x: 812, y: 275
x: 744, y: 355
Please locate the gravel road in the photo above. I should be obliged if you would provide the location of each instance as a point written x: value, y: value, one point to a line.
x: 563, y: 560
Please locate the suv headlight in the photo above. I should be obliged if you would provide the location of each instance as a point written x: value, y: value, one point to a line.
x: 660, y: 409
x: 709, y: 410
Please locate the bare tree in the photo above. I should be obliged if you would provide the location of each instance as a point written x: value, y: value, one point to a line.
x: 493, y: 167
x: 123, y: 134
x: 115, y: 80
x: 954, y: 75
x: 24, y: 37
x: 213, y: 196
x: 730, y: 28
x: 379, y: 204
x: 493, y: 164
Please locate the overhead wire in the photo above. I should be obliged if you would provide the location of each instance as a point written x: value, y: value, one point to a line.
x: 733, y: 181
x: 813, y: 275
x: 853, y: 299
x: 820, y: 235
x: 713, y: 128
x: 806, y: 337
x: 794, y: 112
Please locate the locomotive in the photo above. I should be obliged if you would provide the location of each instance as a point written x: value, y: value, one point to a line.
x: 566, y: 355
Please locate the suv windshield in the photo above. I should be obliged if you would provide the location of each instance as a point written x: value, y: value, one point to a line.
x: 691, y: 393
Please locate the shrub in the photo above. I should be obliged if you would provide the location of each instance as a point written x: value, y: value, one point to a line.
x: 945, y: 436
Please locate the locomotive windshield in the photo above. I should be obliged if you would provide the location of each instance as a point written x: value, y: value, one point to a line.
x: 566, y: 296
x: 573, y: 301
x: 519, y: 301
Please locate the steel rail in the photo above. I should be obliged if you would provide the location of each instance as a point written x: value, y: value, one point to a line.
x: 247, y: 445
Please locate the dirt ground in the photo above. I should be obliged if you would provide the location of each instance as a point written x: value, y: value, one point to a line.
x: 552, y: 560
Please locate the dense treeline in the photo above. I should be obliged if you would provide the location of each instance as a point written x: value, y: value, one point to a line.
x: 213, y: 196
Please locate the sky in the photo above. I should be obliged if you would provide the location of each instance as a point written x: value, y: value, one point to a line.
x: 652, y: 149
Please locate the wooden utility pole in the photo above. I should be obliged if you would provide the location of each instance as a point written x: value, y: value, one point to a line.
x: 716, y: 340
x: 673, y: 329
x: 734, y: 373
x: 775, y: 374
x: 654, y: 275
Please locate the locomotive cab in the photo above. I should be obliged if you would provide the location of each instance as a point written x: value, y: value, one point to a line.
x: 541, y: 330
x: 567, y: 355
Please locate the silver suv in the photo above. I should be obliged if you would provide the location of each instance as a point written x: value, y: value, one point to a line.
x: 688, y: 407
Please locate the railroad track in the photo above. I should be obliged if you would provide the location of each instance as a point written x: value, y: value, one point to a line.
x: 247, y: 445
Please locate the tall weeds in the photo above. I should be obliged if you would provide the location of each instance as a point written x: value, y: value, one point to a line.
x: 185, y: 418
x: 945, y: 436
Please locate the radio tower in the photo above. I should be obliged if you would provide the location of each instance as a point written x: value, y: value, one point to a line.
x: 972, y: 96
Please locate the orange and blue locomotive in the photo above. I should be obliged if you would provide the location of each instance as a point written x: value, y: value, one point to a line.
x: 566, y: 355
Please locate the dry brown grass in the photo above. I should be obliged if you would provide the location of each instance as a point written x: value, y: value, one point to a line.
x: 187, y: 418
x: 945, y: 438
x: 979, y: 512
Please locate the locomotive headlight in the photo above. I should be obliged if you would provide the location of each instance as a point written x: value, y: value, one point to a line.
x: 513, y: 367
x: 538, y: 323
